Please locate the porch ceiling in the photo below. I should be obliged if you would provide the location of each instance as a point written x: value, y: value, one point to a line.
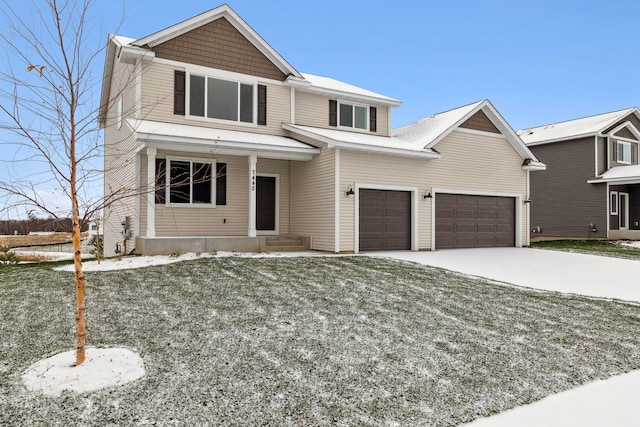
x: 200, y: 139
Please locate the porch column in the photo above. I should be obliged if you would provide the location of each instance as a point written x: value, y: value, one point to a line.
x: 253, y: 159
x: 151, y: 194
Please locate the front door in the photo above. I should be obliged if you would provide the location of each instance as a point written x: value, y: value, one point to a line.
x: 265, y: 203
x: 623, y: 210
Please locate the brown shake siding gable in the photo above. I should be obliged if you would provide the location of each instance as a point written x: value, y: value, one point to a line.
x: 219, y: 45
x: 630, y: 118
x: 480, y: 121
x: 625, y: 133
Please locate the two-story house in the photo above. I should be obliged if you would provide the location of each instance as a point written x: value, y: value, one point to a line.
x: 221, y: 144
x: 592, y: 186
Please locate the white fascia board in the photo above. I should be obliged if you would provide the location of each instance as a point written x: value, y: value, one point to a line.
x: 107, y: 75
x: 629, y: 126
x: 564, y: 138
x: 226, y: 148
x: 226, y: 12
x: 351, y: 96
x: 619, y: 181
x: 535, y: 166
x: 131, y: 55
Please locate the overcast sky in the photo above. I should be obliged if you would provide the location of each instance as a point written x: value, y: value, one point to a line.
x: 537, y: 61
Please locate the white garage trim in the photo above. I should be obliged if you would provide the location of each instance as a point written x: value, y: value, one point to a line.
x: 518, y: 209
x: 414, y: 211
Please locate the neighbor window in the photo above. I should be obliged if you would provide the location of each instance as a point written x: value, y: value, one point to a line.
x: 221, y: 99
x: 354, y: 116
x: 624, y: 152
x: 613, y: 203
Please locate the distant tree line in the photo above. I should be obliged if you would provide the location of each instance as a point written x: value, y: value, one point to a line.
x: 34, y: 225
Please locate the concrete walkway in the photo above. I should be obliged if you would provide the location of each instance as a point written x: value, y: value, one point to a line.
x: 612, y: 402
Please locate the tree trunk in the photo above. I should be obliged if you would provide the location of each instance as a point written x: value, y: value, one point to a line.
x: 81, y: 332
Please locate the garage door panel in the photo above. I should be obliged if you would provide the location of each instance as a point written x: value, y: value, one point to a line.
x: 385, y: 220
x: 468, y: 221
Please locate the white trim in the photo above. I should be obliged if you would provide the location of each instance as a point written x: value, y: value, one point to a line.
x: 253, y: 159
x: 151, y: 195
x: 306, y: 86
x: 182, y: 66
x: 276, y: 231
x: 292, y: 104
x: 191, y: 160
x: 629, y: 126
x: 353, y: 105
x: 611, y: 210
x: 528, y: 210
x: 608, y: 153
x: 624, y: 144
x: 414, y: 211
x: 137, y: 114
x: 595, y: 144
x: 482, y: 133
x: 518, y: 209
x: 608, y: 198
x: 223, y: 77
x: 119, y: 107
x: 337, y: 197
x: 622, y: 194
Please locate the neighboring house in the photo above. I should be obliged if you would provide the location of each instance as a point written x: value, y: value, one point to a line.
x: 232, y: 148
x: 592, y: 186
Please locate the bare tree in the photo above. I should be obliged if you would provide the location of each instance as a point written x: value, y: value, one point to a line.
x: 49, y: 107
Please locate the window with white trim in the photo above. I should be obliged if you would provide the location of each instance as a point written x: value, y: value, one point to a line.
x: 613, y: 203
x: 221, y: 99
x: 353, y: 115
x: 624, y: 152
x: 189, y: 182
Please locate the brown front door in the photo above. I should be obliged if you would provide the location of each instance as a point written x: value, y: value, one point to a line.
x: 465, y: 221
x: 385, y: 220
x: 266, y: 203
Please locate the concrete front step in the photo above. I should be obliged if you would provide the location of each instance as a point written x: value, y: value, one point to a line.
x: 287, y: 243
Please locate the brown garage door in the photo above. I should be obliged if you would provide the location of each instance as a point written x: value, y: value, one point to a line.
x: 464, y: 221
x: 385, y: 220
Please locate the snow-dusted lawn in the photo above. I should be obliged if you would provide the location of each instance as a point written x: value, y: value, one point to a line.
x: 307, y: 341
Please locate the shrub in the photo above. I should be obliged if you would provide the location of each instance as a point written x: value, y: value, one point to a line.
x: 7, y: 257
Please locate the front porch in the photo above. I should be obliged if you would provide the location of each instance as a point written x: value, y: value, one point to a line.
x: 181, y: 245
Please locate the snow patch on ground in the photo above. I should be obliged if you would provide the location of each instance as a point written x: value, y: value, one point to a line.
x: 130, y: 262
x: 629, y: 243
x: 102, y: 368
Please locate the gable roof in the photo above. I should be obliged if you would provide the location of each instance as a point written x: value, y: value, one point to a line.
x: 429, y: 131
x: 577, y: 128
x: 230, y: 15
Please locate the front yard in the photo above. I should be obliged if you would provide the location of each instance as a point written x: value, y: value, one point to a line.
x: 307, y: 341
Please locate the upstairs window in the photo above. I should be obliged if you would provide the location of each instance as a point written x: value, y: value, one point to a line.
x: 624, y: 152
x: 221, y: 99
x: 353, y: 116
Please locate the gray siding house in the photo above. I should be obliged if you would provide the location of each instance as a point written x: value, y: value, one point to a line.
x: 591, y: 188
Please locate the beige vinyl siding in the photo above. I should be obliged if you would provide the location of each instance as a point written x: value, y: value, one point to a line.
x: 313, y: 201
x: 479, y: 163
x: 313, y: 110
x: 366, y: 168
x: 120, y: 160
x: 157, y: 103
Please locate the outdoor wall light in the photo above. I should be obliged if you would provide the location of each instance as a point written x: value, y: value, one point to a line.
x: 350, y: 191
x: 527, y: 200
x: 427, y: 195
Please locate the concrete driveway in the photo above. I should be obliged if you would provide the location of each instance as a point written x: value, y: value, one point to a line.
x: 566, y: 272
x: 611, y: 402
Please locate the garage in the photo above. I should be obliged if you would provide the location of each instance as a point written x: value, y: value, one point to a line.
x: 470, y: 221
x: 385, y: 220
